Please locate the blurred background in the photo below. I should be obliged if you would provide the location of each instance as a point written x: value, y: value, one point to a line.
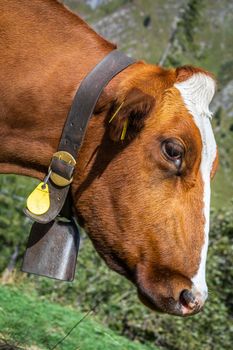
x: 36, y: 312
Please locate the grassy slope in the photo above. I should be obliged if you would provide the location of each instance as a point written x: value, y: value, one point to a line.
x: 28, y: 320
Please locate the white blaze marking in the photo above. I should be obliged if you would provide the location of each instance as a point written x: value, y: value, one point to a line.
x: 197, y: 93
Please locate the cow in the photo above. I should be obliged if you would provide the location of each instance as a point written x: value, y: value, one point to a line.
x: 144, y: 201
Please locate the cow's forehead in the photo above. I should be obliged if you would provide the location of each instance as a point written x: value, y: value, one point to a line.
x: 197, y: 92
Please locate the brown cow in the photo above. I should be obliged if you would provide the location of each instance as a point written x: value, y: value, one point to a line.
x: 145, y: 201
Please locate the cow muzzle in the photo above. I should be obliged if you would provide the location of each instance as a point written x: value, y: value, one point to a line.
x: 188, y: 303
x: 171, y: 293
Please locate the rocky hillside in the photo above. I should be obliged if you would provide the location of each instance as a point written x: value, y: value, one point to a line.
x: 178, y: 32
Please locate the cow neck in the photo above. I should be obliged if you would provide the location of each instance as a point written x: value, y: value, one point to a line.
x: 63, y: 162
x: 38, y: 95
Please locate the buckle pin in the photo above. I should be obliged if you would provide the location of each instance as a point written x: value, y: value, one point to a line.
x: 46, y: 179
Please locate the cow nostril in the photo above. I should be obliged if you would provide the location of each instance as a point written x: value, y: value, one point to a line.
x: 188, y: 300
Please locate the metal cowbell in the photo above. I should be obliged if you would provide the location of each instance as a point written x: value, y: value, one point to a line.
x: 52, y: 250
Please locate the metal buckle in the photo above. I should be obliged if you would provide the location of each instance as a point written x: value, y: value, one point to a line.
x: 58, y: 179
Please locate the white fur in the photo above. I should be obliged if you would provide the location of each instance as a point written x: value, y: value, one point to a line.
x: 197, y: 93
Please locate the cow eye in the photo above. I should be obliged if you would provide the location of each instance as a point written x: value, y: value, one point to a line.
x: 173, y: 150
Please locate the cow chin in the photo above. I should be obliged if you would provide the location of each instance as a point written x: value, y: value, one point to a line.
x: 170, y: 306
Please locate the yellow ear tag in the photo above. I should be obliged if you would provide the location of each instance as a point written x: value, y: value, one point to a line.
x: 116, y: 112
x: 38, y: 202
x: 124, y: 129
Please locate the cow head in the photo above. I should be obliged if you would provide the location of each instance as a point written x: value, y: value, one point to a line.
x: 145, y: 200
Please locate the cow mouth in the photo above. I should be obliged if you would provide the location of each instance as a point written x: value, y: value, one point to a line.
x: 187, y: 305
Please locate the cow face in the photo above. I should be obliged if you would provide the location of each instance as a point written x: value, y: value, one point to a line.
x: 145, y: 200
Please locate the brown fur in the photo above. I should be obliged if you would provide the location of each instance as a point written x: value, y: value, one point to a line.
x: 144, y: 220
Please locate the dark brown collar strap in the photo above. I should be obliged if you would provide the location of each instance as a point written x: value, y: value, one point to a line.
x: 63, y: 162
x: 86, y: 98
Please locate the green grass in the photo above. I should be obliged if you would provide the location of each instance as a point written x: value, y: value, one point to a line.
x: 26, y: 320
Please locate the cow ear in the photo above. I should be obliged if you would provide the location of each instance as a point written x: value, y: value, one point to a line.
x: 128, y: 113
